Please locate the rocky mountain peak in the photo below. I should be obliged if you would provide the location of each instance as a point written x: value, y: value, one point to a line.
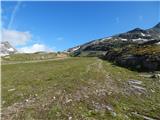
x: 136, y: 30
x: 157, y: 26
x: 6, y: 48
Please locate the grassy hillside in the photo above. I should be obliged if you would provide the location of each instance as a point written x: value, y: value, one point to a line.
x: 29, y: 56
x: 38, y: 56
x: 77, y: 88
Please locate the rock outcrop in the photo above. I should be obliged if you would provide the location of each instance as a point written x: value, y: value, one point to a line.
x: 146, y: 58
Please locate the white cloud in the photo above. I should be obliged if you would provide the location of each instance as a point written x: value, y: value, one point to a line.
x: 15, y: 37
x: 34, y: 48
x: 14, y: 14
x: 18, y: 38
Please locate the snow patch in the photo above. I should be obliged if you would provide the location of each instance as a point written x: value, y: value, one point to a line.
x: 106, y: 38
x: 74, y: 49
x: 158, y: 43
x: 11, y: 49
x: 143, y: 34
x: 139, y: 39
x: 123, y: 39
x: 4, y: 54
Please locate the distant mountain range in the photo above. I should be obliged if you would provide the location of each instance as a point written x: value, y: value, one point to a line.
x: 135, y: 36
x: 137, y: 49
x: 7, y: 48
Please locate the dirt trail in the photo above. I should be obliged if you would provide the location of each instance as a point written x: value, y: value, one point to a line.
x: 98, y: 65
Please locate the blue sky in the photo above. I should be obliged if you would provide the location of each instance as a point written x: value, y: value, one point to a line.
x: 61, y: 25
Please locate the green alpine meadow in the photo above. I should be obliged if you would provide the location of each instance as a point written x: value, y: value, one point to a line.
x: 80, y: 60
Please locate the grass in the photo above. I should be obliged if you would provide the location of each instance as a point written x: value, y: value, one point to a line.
x: 32, y: 56
x: 141, y: 50
x: 148, y: 49
x: 75, y: 88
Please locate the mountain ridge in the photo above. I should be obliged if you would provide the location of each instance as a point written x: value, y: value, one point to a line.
x: 136, y: 35
x: 136, y: 49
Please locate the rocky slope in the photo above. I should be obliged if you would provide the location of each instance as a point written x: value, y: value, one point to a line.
x: 142, y: 58
x: 126, y: 49
x: 6, y: 48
